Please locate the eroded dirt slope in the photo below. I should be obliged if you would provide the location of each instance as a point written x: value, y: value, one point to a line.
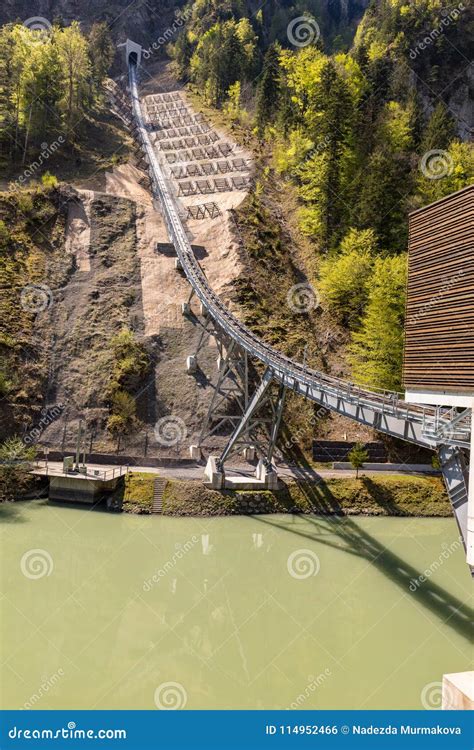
x: 125, y: 275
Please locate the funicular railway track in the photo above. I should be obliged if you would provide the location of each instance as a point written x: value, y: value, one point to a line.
x: 436, y: 428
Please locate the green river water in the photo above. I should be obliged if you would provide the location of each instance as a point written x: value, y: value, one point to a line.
x: 112, y: 611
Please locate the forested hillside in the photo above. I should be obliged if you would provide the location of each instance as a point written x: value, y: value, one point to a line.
x: 356, y: 113
x: 51, y: 95
x: 55, y: 127
x: 367, y: 126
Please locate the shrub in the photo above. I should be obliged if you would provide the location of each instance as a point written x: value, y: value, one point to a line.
x: 123, y: 417
x: 5, y: 384
x: 48, y: 180
x: 116, y: 425
x: 358, y: 456
x: 15, y: 462
x: 131, y: 360
x: 344, y: 279
x: 4, y: 235
x: 24, y: 201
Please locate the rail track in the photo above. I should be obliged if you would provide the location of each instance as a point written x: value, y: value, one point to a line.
x: 438, y: 428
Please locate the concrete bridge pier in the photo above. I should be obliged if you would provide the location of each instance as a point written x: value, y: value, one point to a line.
x: 265, y: 478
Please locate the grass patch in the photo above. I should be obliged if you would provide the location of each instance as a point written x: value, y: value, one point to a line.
x: 390, y: 496
x: 138, y: 492
x: 387, y: 496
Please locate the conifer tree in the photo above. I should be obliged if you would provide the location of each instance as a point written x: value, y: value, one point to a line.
x: 440, y: 130
x: 7, y: 83
x: 101, y: 52
x: 42, y: 93
x: 269, y: 87
x: 74, y: 57
x: 333, y: 121
x: 377, y: 348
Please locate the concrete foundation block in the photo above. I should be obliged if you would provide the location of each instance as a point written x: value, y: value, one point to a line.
x: 458, y: 691
x: 191, y: 364
x: 177, y: 264
x: 185, y: 308
x: 260, y: 471
x: 215, y: 478
x: 249, y: 453
x: 195, y: 452
x: 268, y: 477
x: 266, y: 481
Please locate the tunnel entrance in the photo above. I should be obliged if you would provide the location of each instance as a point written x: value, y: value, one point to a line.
x: 133, y: 53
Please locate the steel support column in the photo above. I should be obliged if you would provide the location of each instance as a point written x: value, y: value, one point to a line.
x: 276, y: 424
x: 244, y: 422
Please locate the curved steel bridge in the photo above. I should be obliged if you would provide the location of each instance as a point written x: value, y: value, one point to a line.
x: 442, y: 429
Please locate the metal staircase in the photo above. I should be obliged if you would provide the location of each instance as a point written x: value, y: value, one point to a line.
x: 455, y: 468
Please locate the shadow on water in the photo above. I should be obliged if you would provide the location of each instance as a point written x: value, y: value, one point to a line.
x: 356, y: 541
x: 100, y: 506
x: 11, y: 513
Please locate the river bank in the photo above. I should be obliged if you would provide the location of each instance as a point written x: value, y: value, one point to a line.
x: 394, y: 495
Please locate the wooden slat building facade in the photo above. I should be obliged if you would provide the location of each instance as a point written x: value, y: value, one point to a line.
x: 439, y: 327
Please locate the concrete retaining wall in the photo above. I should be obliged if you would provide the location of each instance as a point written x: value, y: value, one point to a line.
x: 79, y: 490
